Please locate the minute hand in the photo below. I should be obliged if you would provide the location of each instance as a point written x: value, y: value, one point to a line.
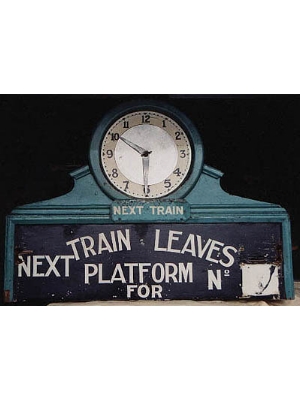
x: 134, y: 146
x: 145, y: 160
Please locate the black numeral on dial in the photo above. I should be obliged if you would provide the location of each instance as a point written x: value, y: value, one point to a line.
x: 178, y: 135
x: 177, y: 172
x: 126, y: 185
x: 109, y: 153
x: 114, y: 136
x: 145, y: 119
x: 167, y: 183
x: 114, y: 173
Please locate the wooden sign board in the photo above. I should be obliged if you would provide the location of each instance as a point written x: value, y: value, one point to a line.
x: 147, y: 220
x: 148, y: 261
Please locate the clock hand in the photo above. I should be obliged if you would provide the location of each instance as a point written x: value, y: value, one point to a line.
x: 145, y: 159
x: 134, y: 146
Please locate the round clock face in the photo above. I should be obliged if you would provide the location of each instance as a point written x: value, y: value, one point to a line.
x: 145, y: 154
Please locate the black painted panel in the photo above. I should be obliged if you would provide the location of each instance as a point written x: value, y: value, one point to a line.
x: 140, y: 261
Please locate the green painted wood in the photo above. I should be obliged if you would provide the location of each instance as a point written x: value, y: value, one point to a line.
x: 87, y: 197
x: 86, y: 203
x: 208, y: 191
x: 9, y: 259
x: 287, y: 259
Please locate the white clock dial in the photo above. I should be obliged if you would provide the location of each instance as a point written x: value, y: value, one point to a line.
x: 146, y: 154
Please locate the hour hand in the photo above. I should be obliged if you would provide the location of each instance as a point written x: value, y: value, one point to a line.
x: 134, y: 146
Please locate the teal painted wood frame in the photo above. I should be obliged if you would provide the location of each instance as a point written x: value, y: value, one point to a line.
x: 87, y: 204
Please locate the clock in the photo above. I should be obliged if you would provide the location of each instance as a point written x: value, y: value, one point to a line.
x: 146, y: 150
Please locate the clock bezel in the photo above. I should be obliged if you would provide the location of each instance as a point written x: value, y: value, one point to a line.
x: 186, y: 124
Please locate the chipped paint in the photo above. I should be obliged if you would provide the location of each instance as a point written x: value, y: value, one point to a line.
x: 6, y: 296
x: 260, y: 280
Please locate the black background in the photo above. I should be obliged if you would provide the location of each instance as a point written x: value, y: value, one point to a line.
x: 253, y: 139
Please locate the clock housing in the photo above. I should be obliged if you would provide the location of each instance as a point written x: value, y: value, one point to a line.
x: 146, y: 150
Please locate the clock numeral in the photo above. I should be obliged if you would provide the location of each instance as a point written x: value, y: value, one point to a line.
x: 109, y: 153
x: 126, y: 125
x: 114, y: 136
x: 182, y: 154
x: 114, y: 173
x: 177, y: 172
x: 167, y: 183
x: 178, y: 135
x: 164, y: 123
x: 126, y: 185
x: 145, y: 119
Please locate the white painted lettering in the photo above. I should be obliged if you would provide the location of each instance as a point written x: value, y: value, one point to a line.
x: 117, y: 210
x: 160, y: 210
x: 139, y: 208
x: 143, y: 270
x: 172, y: 238
x: 154, y: 273
x: 88, y: 272
x: 52, y: 266
x: 72, y: 243
x: 201, y: 249
x: 143, y: 291
x: 168, y: 210
x: 121, y: 277
x: 214, y: 280
x: 124, y: 210
x: 152, y: 209
x: 88, y: 248
x: 67, y: 264
x: 229, y: 256
x: 190, y: 246
x: 35, y: 265
x: 124, y: 239
x: 212, y: 248
x: 130, y: 269
x: 116, y: 242
x: 130, y: 289
x: 25, y: 266
x: 179, y: 210
x: 37, y: 261
x: 113, y: 240
x: 185, y: 272
x: 156, y: 243
x: 103, y: 244
x: 146, y: 291
x: 170, y: 274
x: 100, y: 275
x: 132, y: 210
x: 156, y: 291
